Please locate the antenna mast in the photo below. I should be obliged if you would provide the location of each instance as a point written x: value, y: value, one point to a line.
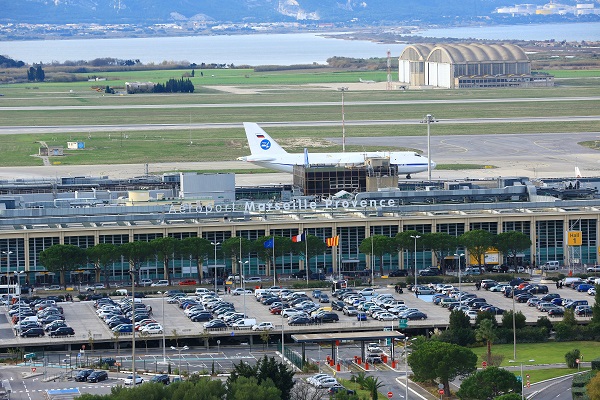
x: 389, y: 70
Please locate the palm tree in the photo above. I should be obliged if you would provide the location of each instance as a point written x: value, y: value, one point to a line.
x: 487, y: 332
x: 373, y: 385
x: 136, y: 253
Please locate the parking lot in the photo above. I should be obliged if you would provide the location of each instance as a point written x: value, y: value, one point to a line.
x: 82, y: 317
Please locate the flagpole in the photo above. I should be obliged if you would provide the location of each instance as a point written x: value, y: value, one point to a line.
x: 274, y: 268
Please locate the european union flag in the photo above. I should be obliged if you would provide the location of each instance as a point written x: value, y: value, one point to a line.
x: 269, y: 243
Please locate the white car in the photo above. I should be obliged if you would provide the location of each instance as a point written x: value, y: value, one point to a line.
x: 162, y: 282
x: 263, y: 326
x: 367, y: 292
x: 327, y: 383
x: 386, y: 316
x: 372, y: 347
x: 129, y: 380
x: 145, y: 282
x: 152, y: 329
x: 592, y: 291
x: 241, y: 292
x: 291, y: 312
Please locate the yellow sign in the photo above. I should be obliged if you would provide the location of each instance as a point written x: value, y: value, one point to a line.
x: 574, y: 238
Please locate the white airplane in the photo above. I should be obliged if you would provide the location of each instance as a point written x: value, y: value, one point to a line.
x: 365, y: 81
x: 267, y: 153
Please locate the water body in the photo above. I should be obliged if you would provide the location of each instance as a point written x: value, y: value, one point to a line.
x: 267, y: 49
x: 589, y: 31
x: 263, y: 49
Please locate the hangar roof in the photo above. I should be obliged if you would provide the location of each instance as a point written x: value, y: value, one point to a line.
x: 461, y: 53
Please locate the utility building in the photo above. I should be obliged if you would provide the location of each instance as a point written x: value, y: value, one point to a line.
x: 454, y: 66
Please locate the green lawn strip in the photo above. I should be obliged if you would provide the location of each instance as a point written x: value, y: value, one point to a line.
x: 165, y: 115
x: 543, y: 374
x: 568, y: 73
x: 542, y: 353
x: 228, y: 144
x: 361, y: 393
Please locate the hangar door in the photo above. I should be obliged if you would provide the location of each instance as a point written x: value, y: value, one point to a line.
x: 404, y: 71
x: 438, y: 74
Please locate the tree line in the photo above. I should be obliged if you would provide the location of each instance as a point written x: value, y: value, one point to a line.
x: 174, y: 86
x: 62, y: 258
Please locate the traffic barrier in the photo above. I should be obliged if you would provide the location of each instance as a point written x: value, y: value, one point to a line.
x: 338, y: 367
x: 367, y: 366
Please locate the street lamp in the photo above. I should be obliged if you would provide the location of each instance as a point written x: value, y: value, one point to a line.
x: 405, y: 368
x: 372, y: 263
x: 7, y: 253
x: 179, y: 350
x: 522, y: 386
x: 459, y: 274
x: 428, y: 119
x: 163, y: 328
x: 18, y: 283
x: 343, y: 89
x: 244, y: 283
x: 415, y: 237
x: 215, y: 244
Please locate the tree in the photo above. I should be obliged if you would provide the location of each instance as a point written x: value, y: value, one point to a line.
x: 440, y: 243
x: 593, y: 387
x: 198, y: 249
x: 282, y: 246
x: 378, y: 246
x: 313, y: 246
x: 512, y: 243
x: 103, y: 255
x: 372, y: 384
x: 265, y: 368
x: 245, y: 388
x: 136, y: 253
x: 520, y: 319
x: 459, y: 330
x: 488, y: 384
x: 40, y: 75
x: 61, y: 258
x: 487, y: 333
x: 166, y: 248
x: 443, y: 361
x: 404, y: 241
x: 596, y: 308
x: 235, y: 248
x: 571, y: 358
x: 477, y: 242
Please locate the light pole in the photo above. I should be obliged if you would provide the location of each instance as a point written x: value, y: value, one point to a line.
x: 163, y: 328
x: 415, y: 237
x: 459, y: 274
x: 7, y: 253
x: 132, y: 273
x: 429, y: 119
x: 18, y: 283
x: 244, y: 283
x: 215, y: 244
x: 405, y: 368
x: 343, y: 89
x: 522, y: 385
x: 372, y: 262
x: 179, y: 350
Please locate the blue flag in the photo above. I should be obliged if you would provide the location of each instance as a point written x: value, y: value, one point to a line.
x: 269, y: 243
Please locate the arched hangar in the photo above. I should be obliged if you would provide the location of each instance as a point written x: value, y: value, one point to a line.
x: 474, y: 65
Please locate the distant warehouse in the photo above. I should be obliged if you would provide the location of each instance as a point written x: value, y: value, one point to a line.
x: 458, y: 66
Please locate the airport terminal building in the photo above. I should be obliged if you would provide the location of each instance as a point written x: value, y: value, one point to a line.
x: 454, y: 66
x: 211, y: 208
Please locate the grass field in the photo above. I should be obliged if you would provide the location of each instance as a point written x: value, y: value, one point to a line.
x: 275, y: 97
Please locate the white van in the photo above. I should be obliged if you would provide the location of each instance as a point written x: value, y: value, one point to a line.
x: 551, y: 266
x: 244, y: 323
x: 234, y: 278
x: 201, y: 291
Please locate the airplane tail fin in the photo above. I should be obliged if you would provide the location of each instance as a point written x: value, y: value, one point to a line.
x: 260, y: 142
x: 577, y: 172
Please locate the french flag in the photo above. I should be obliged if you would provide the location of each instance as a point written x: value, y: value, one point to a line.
x: 299, y: 238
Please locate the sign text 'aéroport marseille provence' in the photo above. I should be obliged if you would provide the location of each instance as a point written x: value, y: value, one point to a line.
x: 295, y: 205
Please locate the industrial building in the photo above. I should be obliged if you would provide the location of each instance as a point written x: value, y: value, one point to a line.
x: 31, y: 221
x: 457, y: 66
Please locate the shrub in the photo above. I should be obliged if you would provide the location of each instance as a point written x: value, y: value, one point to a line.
x: 571, y: 358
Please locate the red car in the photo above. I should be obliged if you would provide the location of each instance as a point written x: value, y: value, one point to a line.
x: 187, y: 282
x: 276, y: 310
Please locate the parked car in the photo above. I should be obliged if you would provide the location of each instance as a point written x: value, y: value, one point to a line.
x: 188, y: 282
x: 263, y: 326
x: 398, y: 272
x: 129, y: 380
x: 162, y: 378
x: 83, y: 375
x: 145, y: 282
x: 361, y: 316
x: 162, y: 282
x: 97, y: 376
x: 33, y: 332
x: 63, y: 331
x: 349, y: 310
